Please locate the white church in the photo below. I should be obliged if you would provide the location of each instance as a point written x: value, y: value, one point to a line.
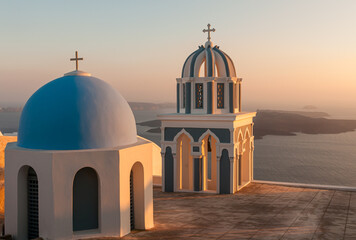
x: 78, y: 169
x: 207, y: 145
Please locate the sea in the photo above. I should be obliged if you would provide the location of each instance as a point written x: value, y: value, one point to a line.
x: 326, y: 159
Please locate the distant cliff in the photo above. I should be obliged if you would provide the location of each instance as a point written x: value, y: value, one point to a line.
x: 10, y: 109
x: 289, y: 123
x: 286, y: 123
x: 139, y: 106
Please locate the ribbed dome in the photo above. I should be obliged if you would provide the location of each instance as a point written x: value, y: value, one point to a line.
x: 213, y: 57
x: 76, y: 112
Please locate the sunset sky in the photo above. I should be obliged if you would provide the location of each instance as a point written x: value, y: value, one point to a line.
x: 289, y: 53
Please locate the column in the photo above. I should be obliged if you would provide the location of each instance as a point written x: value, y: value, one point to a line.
x: 239, y: 170
x: 188, y: 96
x: 178, y: 98
x: 232, y: 174
x: 251, y: 156
x: 239, y: 96
x: 210, y: 97
x: 175, y: 172
x: 163, y: 170
x: 217, y: 173
x: 231, y: 97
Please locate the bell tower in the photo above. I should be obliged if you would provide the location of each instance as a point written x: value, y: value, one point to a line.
x: 208, y: 144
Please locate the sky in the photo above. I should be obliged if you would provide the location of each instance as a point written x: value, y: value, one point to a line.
x: 289, y: 53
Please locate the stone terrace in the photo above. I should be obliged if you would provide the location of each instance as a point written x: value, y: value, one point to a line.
x: 259, y: 211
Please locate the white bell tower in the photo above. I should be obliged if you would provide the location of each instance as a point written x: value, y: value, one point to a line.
x: 208, y: 144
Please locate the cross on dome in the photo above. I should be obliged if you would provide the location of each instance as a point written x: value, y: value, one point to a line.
x: 208, y: 31
x: 76, y: 59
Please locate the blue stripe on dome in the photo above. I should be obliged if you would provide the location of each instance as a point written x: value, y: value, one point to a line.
x: 209, y: 62
x: 187, y: 61
x: 192, y: 63
x: 225, y: 60
x: 232, y: 63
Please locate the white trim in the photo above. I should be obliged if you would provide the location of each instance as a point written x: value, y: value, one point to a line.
x: 247, y: 131
x: 209, y: 117
x: 208, y: 132
x: 180, y: 133
x: 307, y: 185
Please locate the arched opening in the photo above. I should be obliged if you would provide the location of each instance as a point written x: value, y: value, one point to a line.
x: 224, y: 172
x: 28, y: 214
x: 137, y: 210
x: 209, y: 157
x: 85, y: 200
x: 168, y: 170
x: 184, y: 164
x: 202, y: 69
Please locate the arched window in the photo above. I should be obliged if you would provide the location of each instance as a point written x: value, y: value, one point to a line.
x: 199, y: 95
x: 85, y: 200
x: 220, y: 95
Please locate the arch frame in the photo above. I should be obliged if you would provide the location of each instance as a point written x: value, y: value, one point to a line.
x: 183, y: 131
x: 208, y: 132
x: 139, y: 194
x: 22, y: 199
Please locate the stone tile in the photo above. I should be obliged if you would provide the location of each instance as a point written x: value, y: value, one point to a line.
x: 259, y: 211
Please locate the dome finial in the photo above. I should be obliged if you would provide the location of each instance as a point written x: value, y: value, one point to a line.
x: 76, y: 59
x: 209, y: 30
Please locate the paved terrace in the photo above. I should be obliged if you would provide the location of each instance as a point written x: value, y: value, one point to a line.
x: 259, y: 211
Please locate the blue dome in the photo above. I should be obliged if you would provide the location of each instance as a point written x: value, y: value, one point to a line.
x: 76, y: 112
x: 217, y: 63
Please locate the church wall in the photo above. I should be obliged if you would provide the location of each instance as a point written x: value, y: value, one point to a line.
x: 113, y: 167
x: 66, y: 165
x: 40, y: 162
x: 226, y: 129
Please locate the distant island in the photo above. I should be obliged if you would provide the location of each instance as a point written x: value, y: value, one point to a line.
x: 267, y: 122
x: 140, y: 106
x: 310, y: 107
x: 10, y: 109
x: 286, y: 123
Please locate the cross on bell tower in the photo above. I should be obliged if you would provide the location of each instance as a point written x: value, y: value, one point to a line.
x: 76, y: 59
x: 208, y: 31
